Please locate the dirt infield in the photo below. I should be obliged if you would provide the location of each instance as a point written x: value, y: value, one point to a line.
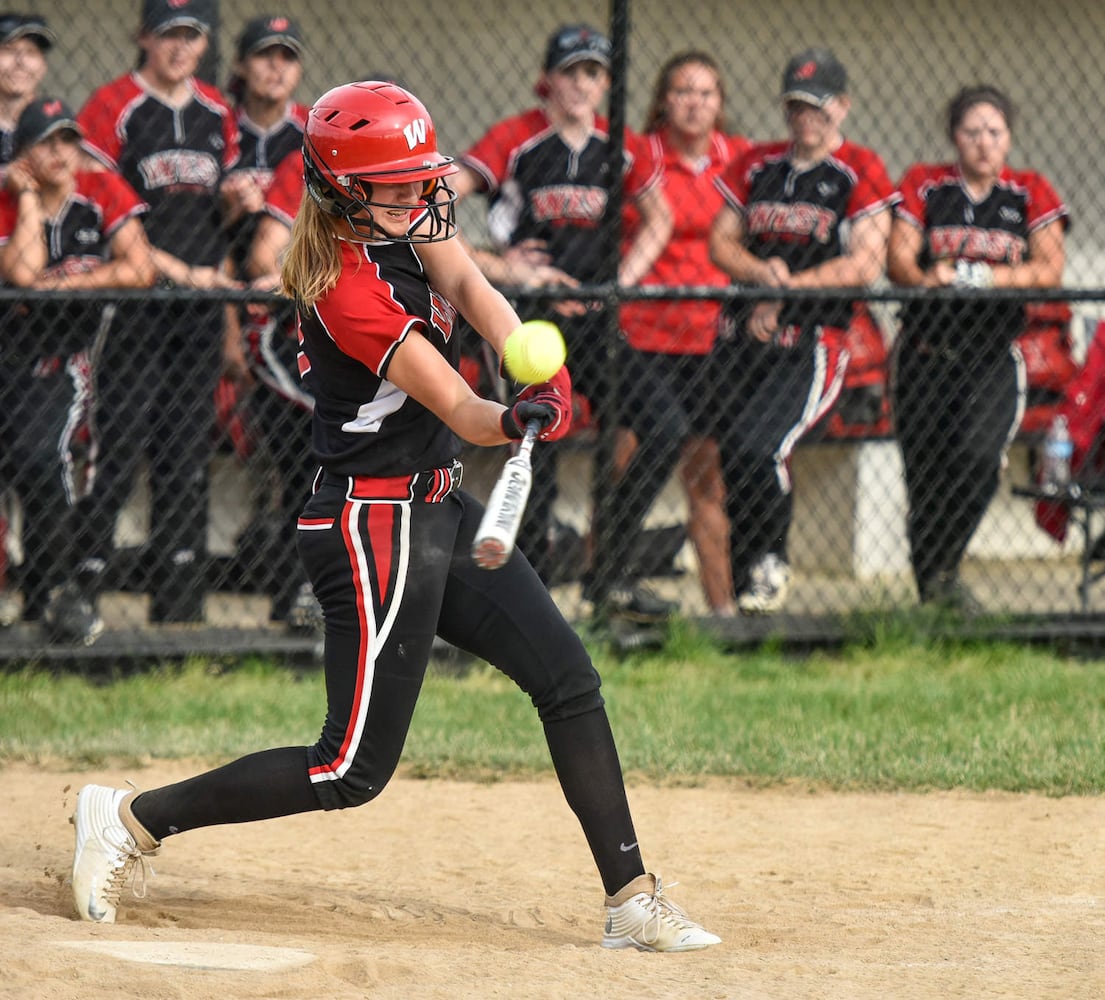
x: 445, y: 889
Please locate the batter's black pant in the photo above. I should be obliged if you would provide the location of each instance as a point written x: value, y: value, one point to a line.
x: 955, y: 417
x: 391, y: 566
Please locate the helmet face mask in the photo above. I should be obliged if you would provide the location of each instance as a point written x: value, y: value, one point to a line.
x: 363, y: 134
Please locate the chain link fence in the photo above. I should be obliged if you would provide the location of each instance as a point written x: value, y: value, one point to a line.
x: 238, y: 451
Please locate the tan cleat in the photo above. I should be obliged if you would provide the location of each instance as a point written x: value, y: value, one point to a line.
x: 640, y: 916
x: 111, y: 847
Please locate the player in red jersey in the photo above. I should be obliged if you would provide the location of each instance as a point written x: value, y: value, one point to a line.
x: 378, y: 277
x: 544, y: 172
x: 809, y: 212
x: 60, y: 229
x: 959, y: 385
x: 270, y: 121
x: 666, y: 363
x: 173, y: 138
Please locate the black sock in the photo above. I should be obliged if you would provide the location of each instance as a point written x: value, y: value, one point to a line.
x: 261, y: 786
x: 590, y: 774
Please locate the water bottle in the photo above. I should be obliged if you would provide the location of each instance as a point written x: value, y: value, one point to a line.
x: 1058, y: 449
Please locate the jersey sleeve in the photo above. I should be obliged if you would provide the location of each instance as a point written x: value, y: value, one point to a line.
x: 286, y: 191
x: 117, y: 199
x: 644, y: 165
x: 873, y: 190
x: 364, y: 318
x: 490, y: 155
x: 98, y: 119
x: 1044, y: 204
x: 733, y: 181
x: 910, y: 206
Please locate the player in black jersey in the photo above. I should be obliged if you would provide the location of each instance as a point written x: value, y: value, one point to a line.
x: 808, y: 212
x: 378, y: 278
x: 959, y: 386
x: 172, y: 137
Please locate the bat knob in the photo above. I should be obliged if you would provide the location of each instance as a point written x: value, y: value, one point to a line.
x: 489, y: 553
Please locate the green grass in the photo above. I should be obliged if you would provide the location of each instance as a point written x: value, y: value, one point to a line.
x: 899, y: 714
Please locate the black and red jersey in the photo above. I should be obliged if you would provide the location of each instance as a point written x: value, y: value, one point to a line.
x: 78, y: 239
x: 955, y: 226
x: 364, y: 425
x: 175, y: 158
x: 261, y: 151
x: 540, y: 188
x: 801, y: 215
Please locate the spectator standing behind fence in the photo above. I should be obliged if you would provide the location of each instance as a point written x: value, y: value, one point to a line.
x: 60, y: 230
x: 811, y: 212
x: 545, y: 173
x: 24, y: 41
x: 959, y: 385
x: 378, y: 277
x: 172, y: 137
x: 669, y: 342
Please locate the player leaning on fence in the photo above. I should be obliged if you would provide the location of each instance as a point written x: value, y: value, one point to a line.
x: 378, y: 276
x: 959, y: 386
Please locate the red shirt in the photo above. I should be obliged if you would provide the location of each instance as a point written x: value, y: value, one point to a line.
x: 687, y: 326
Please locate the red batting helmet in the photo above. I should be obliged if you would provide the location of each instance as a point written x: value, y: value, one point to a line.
x: 376, y: 132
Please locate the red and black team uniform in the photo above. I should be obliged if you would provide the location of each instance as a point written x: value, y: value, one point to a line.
x: 386, y: 506
x: 260, y: 152
x: 959, y: 385
x: 541, y: 189
x: 46, y: 380
x: 158, y: 370
x: 770, y: 395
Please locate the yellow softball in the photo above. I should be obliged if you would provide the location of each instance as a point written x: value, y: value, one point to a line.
x: 534, y: 352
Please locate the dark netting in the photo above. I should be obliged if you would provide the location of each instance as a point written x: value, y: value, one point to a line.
x: 774, y: 454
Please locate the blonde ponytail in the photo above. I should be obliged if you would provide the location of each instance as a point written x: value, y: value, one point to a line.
x: 312, y: 264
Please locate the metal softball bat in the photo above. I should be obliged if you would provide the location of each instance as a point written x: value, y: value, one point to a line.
x: 506, y: 506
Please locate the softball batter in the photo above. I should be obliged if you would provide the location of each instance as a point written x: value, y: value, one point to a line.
x: 377, y: 276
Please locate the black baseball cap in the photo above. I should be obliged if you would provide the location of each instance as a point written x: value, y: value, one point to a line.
x: 13, y: 26
x: 159, y: 16
x: 267, y: 30
x: 41, y: 119
x: 573, y: 43
x: 814, y: 76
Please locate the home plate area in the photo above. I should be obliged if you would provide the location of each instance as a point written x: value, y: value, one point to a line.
x: 199, y: 954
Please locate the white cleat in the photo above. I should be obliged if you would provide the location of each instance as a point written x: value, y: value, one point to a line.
x: 640, y: 916
x: 107, y: 854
